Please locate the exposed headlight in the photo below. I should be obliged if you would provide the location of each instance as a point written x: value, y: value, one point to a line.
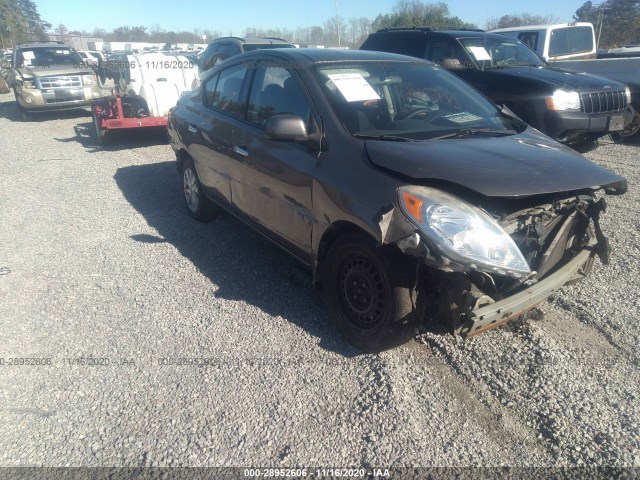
x: 88, y: 79
x: 28, y: 84
x: 462, y: 232
x: 563, y: 100
x: 627, y: 93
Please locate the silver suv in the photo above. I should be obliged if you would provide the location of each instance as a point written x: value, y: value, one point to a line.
x: 50, y: 76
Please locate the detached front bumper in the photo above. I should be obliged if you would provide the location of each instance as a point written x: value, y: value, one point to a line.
x: 490, y: 316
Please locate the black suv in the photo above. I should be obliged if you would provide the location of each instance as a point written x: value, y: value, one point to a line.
x: 222, y: 48
x: 570, y: 107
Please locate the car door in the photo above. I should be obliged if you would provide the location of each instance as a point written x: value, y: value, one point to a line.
x: 271, y: 180
x: 214, y: 127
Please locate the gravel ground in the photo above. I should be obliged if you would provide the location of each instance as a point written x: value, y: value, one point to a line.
x: 98, y: 258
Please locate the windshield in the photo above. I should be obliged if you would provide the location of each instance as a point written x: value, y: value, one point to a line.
x: 47, y: 56
x: 491, y: 52
x: 405, y: 101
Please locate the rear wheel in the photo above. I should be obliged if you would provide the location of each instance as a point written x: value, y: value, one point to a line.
x: 371, y: 299
x: 198, y: 205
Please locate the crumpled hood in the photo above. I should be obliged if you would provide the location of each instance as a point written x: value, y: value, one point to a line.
x: 515, y: 166
x: 53, y: 70
x: 560, y: 77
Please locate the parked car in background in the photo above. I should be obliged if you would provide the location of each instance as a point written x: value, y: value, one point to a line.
x: 573, y: 46
x: 572, y: 108
x: 222, y: 48
x: 50, y: 76
x: 560, y: 41
x: 399, y: 186
x: 5, y: 69
x: 87, y: 58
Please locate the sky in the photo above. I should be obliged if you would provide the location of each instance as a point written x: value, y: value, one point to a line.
x: 234, y: 17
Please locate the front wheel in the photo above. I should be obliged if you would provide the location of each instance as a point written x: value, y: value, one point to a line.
x: 372, y: 300
x: 632, y: 129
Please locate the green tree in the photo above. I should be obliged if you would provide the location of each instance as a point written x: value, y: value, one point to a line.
x: 519, y: 20
x: 20, y: 22
x: 619, y: 20
x: 37, y: 28
x: 415, y: 13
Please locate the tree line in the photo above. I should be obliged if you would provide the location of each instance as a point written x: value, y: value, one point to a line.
x: 20, y: 22
x: 617, y: 23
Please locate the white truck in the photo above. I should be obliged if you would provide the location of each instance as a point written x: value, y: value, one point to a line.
x: 573, y: 46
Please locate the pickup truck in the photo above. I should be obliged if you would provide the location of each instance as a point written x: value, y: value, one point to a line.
x: 50, y: 76
x: 573, y: 46
x: 572, y: 108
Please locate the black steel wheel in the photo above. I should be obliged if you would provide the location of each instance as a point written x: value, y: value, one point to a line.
x: 370, y: 296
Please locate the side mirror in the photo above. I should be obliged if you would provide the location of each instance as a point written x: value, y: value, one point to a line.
x: 286, y: 126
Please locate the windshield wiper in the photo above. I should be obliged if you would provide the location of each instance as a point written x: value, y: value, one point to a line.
x: 393, y: 138
x: 469, y: 132
x: 517, y: 121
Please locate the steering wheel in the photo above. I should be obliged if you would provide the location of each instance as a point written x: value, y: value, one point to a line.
x: 418, y: 112
x: 508, y: 61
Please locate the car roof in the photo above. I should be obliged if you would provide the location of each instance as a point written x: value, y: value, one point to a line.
x: 42, y: 44
x: 452, y: 33
x: 332, y: 55
x: 254, y: 40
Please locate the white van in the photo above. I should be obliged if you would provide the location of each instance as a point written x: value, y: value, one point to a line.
x: 561, y: 41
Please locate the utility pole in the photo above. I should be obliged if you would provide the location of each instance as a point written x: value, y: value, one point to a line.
x: 601, y: 11
x: 338, y: 24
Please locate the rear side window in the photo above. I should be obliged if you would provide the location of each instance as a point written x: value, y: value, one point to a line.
x: 565, y: 41
x: 223, y: 91
x: 530, y: 39
x: 412, y: 44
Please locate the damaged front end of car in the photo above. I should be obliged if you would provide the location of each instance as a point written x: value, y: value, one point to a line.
x: 489, y: 264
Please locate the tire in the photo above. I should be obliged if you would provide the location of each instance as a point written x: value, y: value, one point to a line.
x: 632, y: 129
x: 198, y: 205
x: 369, y: 294
x: 24, y: 113
x: 100, y: 133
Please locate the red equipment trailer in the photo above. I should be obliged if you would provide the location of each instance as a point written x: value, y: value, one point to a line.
x: 120, y: 112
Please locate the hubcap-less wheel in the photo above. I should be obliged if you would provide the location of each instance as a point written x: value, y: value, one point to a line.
x: 363, y: 292
x: 633, y: 127
x: 191, y: 190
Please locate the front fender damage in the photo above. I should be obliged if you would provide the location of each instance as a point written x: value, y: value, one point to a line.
x: 472, y: 302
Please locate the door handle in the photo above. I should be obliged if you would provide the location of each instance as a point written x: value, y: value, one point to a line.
x: 241, y: 151
x: 192, y: 129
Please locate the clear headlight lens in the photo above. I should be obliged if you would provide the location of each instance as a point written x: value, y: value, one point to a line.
x: 563, y: 100
x: 88, y: 79
x: 462, y: 232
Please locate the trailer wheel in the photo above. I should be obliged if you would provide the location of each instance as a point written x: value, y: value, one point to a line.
x: 100, y: 132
